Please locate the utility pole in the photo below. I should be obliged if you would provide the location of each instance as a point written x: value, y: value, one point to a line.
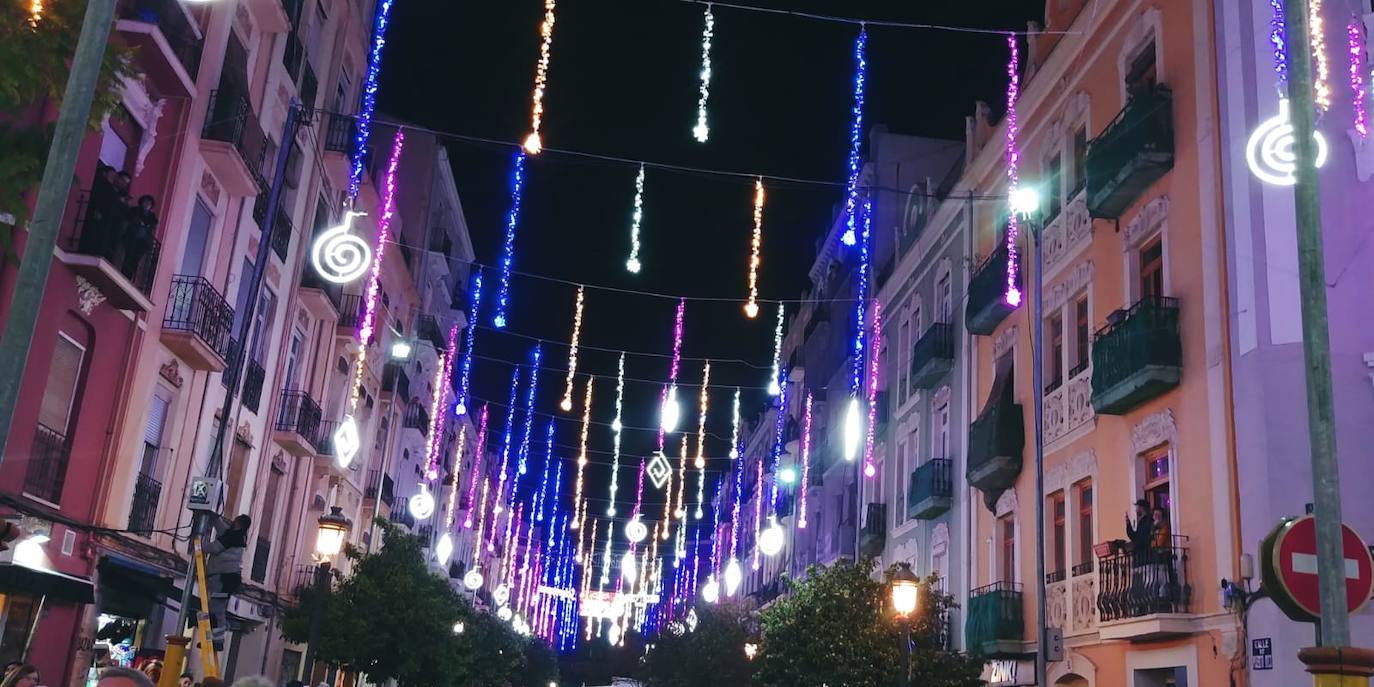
x: 53, y: 189
x: 1038, y: 380
x: 1316, y: 347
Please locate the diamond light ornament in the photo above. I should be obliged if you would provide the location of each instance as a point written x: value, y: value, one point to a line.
x: 473, y: 580
x: 444, y: 549
x: 346, y: 442
x: 659, y: 470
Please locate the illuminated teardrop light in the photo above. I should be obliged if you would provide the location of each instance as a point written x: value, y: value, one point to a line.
x: 533, y: 143
x: 672, y: 411
x: 733, y: 576
x: 508, y: 247
x: 422, y: 504
x: 477, y: 468
x: 444, y: 549
x: 856, y: 128
x: 1355, y: 41
x: 772, y: 539
x: 805, y: 463
x: 853, y: 429
x: 1013, y: 158
x: 774, y: 385
x: 701, y: 131
x: 710, y: 592
x: 1321, y: 70
x: 436, y: 417
x: 567, y: 403
x: 632, y: 263
x: 582, y: 452
x: 616, y: 427
x: 522, y: 463
x: 506, y: 439
x: 465, y: 372
x: 874, y: 364
x: 751, y: 308
x: 628, y: 566
x: 338, y: 255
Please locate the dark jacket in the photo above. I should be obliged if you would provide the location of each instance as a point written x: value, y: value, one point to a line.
x: 1140, y: 536
x: 224, y: 555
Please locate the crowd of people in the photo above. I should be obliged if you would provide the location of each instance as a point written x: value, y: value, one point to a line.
x: 19, y: 674
x: 115, y: 228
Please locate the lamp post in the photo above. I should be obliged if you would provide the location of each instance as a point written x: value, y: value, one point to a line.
x: 329, y: 541
x: 906, y: 591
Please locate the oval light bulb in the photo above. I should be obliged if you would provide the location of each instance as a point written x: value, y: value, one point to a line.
x: 771, y: 540
x: 853, y: 429
x: 733, y: 576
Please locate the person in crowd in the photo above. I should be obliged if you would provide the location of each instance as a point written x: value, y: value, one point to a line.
x: 139, y: 229
x: 213, y: 682
x: 21, y: 675
x: 224, y: 568
x: 120, y: 676
x: 10, y: 665
x: 186, y: 680
x: 153, y: 669
x: 253, y: 681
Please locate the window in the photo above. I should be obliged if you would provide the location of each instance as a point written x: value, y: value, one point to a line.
x: 114, y: 149
x: 59, y: 394
x: 245, y: 288
x: 1152, y: 269
x: 293, y: 359
x: 343, y: 92
x: 1142, y: 76
x: 1082, y: 333
x: 940, y: 448
x: 1084, y: 534
x: 267, y: 310
x: 233, y: 475
x: 1054, y: 356
x: 1157, y: 479
x: 263, y: 551
x: 903, y: 359
x: 899, y: 484
x: 1059, y: 545
x: 1052, y: 189
x: 944, y: 296
x: 1006, y: 529
x: 1080, y: 157
x: 197, y: 238
x: 152, y: 433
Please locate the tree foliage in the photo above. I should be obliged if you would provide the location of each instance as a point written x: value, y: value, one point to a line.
x: 34, y: 63
x: 711, y: 655
x: 392, y: 619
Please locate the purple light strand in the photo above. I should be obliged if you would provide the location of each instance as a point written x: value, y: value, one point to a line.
x: 806, y: 461
x: 1355, y: 42
x: 1013, y: 296
x: 1278, y: 38
x: 873, y: 367
x: 734, y: 512
x: 476, y: 467
x: 366, y: 327
x: 440, y: 417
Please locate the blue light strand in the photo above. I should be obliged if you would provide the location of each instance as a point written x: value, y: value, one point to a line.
x: 856, y: 127
x: 715, y: 528
x: 374, y: 68
x: 778, y: 439
x: 739, y: 489
x: 544, y: 481
x: 506, y: 440
x: 856, y: 377
x: 508, y: 249
x: 523, y: 463
x: 1278, y: 38
x: 465, y: 374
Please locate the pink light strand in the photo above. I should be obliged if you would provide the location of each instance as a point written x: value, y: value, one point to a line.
x: 677, y: 359
x: 366, y: 327
x: 476, y: 467
x: 758, y: 513
x: 1355, y: 41
x: 806, y: 460
x: 873, y: 365
x: 1013, y: 296
x: 436, y: 437
x: 639, y: 490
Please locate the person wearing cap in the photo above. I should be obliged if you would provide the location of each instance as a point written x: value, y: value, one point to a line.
x: 1141, y: 533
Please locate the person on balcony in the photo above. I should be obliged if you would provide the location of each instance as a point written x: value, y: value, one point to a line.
x: 224, y: 568
x: 98, y: 234
x: 1163, y: 570
x: 1141, y: 535
x: 139, y: 229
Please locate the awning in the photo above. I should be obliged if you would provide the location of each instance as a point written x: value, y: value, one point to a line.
x: 25, y: 581
x: 131, y: 587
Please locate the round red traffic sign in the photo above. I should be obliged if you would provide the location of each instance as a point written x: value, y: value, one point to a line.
x: 1294, y: 555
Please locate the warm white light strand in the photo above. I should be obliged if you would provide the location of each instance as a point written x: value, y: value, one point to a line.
x: 700, y: 462
x: 1321, y: 83
x: 582, y: 455
x: 701, y: 131
x: 533, y: 142
x: 751, y: 308
x: 567, y: 402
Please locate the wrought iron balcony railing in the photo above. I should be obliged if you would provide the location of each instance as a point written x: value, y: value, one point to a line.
x: 1138, y: 356
x: 47, y: 471
x: 194, y: 306
x: 987, y: 293
x: 995, y: 614
x: 143, y: 511
x: 1131, y: 586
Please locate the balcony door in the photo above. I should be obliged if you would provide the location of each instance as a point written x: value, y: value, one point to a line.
x: 197, y: 238
x: 47, y: 469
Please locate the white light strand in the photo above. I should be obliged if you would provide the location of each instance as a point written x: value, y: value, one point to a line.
x: 567, y: 403
x: 616, y: 427
x: 751, y: 308
x: 700, y: 462
x: 701, y: 131
x: 632, y: 264
x: 774, y: 385
x: 734, y: 428
x: 533, y: 142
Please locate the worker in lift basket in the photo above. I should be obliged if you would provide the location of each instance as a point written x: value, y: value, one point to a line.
x: 223, y: 568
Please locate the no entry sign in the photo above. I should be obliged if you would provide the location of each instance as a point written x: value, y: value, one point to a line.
x: 1289, y: 567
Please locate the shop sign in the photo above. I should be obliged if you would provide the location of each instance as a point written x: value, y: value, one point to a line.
x: 1009, y: 673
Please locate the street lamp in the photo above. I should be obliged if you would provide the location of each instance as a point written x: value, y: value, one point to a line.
x: 906, y: 591
x: 329, y: 540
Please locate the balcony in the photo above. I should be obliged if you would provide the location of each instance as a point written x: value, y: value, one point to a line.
x: 325, y: 445
x: 931, y: 491
x: 196, y: 328
x: 350, y: 314
x: 996, y: 439
x: 987, y: 294
x: 47, y: 469
x: 429, y: 331
x: 269, y: 15
x: 253, y: 376
x: 873, y: 536
x: 1137, y: 356
x: 1145, y: 599
x: 370, y: 487
x: 338, y: 143
x: 1133, y: 152
x: 232, y: 142
x: 121, y: 269
x: 396, y: 382
x: 167, y: 40
x: 416, y: 417
x: 933, y: 356
x: 143, y: 511
x: 401, y: 516
x: 995, y: 625
x: 298, y: 423
x: 321, y: 298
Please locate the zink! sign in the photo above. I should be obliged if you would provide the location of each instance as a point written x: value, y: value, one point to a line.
x: 1008, y: 673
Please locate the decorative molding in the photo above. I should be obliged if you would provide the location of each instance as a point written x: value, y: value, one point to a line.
x: 1004, y: 342
x: 1078, y: 280
x: 244, y: 433
x: 88, y: 297
x: 172, y: 373
x: 1062, y: 474
x: 1369, y: 361
x: 1084, y: 603
x: 279, y: 461
x: 1006, y: 503
x: 939, y: 538
x: 209, y: 187
x: 1057, y: 605
x: 1145, y: 222
x: 940, y: 398
x: 1154, y: 430
x: 146, y: 111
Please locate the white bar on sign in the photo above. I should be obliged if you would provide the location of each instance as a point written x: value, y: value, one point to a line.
x: 1306, y: 564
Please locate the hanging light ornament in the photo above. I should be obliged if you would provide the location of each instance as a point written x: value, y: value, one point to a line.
x: 522, y: 463
x: 338, y: 255
x: 506, y: 439
x: 774, y: 384
x: 422, y: 504
x: 567, y: 403
x: 856, y: 128
x: 853, y: 421
x: 671, y: 411
x: 1354, y: 34
x: 473, y: 579
x: 582, y: 453
x: 1316, y: 29
x: 465, y: 372
x: 632, y: 264
x: 533, y: 143
x: 508, y: 247
x: 733, y: 576
x: 805, y: 463
x: 541, y: 497
x: 701, y: 131
x: 628, y: 566
x: 1013, y: 157
x: 615, y: 429
x: 347, y: 441
x: 751, y: 308
x: 772, y: 538
x: 36, y: 12
x: 477, y: 468
x: 873, y: 366
x: 374, y: 69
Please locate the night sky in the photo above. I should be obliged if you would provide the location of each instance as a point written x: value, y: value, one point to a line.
x: 623, y: 83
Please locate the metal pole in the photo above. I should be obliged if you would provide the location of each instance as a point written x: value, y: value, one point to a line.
x: 904, y: 676
x: 53, y: 189
x: 316, y: 620
x: 1038, y: 374
x: 1335, y: 621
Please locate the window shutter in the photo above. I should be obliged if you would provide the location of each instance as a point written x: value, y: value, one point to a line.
x: 60, y: 391
x: 157, y: 417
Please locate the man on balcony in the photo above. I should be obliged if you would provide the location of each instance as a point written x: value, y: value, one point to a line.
x: 1141, y: 534
x: 224, y: 568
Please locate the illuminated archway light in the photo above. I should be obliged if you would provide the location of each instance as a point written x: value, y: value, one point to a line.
x: 616, y: 428
x: 1013, y: 157
x: 465, y: 373
x: 701, y: 131
x: 567, y: 403
x: 856, y: 126
x: 873, y: 367
x: 533, y: 143
x: 1269, y: 151
x: 751, y: 308
x: 508, y: 247
x: 369, y: 104
x: 632, y: 263
x: 338, y: 255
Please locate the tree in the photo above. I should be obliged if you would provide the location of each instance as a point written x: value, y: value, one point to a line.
x: 837, y: 627
x: 34, y: 59
x: 713, y: 654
